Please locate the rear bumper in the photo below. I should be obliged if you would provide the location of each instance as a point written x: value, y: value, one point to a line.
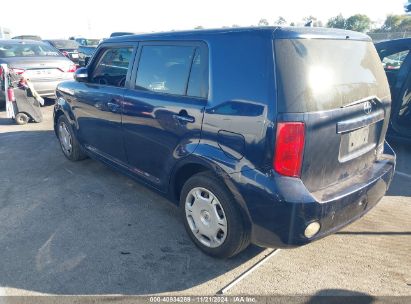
x: 48, y: 87
x: 280, y: 208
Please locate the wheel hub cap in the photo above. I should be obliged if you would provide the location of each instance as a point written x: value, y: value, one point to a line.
x: 206, y: 218
x: 65, y: 138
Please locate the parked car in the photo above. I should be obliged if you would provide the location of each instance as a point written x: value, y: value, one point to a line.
x: 68, y: 48
x: 37, y: 61
x: 28, y: 37
x: 396, y: 58
x: 86, y: 49
x: 275, y: 137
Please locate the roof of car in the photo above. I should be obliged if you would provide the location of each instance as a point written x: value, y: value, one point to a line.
x: 275, y: 32
x: 401, y: 41
x: 21, y: 41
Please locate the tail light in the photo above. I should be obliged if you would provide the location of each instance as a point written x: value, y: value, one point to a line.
x: 18, y: 71
x: 72, y: 68
x: 289, y: 148
x: 65, y: 53
x: 10, y: 94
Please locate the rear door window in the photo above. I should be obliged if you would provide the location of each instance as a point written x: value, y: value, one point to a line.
x: 112, y: 67
x: 165, y: 69
x: 394, y: 61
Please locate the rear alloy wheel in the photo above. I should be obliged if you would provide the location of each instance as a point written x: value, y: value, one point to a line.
x: 206, y: 217
x: 22, y: 118
x: 211, y: 217
x: 68, y: 142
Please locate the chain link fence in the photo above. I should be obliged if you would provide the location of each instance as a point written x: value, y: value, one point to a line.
x: 389, y: 36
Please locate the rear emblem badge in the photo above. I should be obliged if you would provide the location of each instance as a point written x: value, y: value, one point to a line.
x: 367, y: 107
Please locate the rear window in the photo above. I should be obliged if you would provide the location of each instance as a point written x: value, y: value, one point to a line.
x: 88, y: 42
x: 319, y: 74
x: 65, y: 44
x: 27, y: 50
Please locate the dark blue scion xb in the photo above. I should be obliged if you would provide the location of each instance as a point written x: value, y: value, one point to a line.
x: 274, y: 136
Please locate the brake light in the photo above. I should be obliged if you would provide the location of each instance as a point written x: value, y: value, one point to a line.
x: 18, y: 71
x: 289, y: 148
x: 65, y: 53
x: 72, y: 68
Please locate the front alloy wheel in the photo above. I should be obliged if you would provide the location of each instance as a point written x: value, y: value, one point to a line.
x: 65, y: 138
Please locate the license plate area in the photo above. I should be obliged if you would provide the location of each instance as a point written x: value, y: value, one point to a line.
x: 42, y: 73
x: 358, y: 142
x: 358, y: 138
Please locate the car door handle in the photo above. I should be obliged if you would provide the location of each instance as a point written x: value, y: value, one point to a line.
x: 183, y: 117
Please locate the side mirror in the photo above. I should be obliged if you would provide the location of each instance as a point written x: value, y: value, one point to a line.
x: 81, y: 75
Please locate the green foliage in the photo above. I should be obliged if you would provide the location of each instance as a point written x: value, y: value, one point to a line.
x: 314, y: 20
x: 397, y: 23
x: 359, y: 23
x: 337, y: 22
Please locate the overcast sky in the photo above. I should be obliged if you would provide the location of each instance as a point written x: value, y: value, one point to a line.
x: 97, y: 19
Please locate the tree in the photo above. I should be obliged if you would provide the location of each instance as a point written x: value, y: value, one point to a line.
x: 280, y: 21
x: 292, y: 24
x: 359, y: 23
x: 235, y: 25
x: 199, y: 27
x: 312, y: 21
x: 337, y: 22
x: 263, y: 22
x: 397, y: 23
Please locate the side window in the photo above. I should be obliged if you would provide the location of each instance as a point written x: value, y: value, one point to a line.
x: 165, y: 69
x: 394, y: 61
x: 198, y: 83
x: 112, y: 67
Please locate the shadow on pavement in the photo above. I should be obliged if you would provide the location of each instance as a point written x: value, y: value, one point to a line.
x: 331, y: 296
x: 80, y: 228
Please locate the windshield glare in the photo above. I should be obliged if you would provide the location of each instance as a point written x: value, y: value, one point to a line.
x: 27, y: 50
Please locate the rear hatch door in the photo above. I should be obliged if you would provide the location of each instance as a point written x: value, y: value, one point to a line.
x: 338, y: 88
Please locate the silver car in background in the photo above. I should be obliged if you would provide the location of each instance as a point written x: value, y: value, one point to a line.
x: 37, y: 61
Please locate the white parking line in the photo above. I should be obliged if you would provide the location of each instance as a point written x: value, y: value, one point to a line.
x: 248, y: 272
x: 403, y: 174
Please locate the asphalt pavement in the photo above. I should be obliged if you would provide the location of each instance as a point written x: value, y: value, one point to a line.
x: 82, y: 229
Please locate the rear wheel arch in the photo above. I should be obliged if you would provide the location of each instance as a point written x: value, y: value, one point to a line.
x: 182, y: 174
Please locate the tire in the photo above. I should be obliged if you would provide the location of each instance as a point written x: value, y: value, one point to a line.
x: 215, y: 206
x: 22, y: 118
x: 68, y: 141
